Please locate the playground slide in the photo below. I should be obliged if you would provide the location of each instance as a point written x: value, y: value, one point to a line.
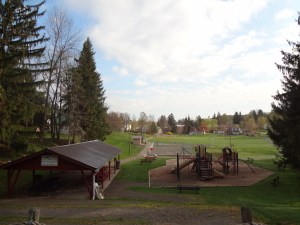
x: 183, y: 164
x: 219, y: 174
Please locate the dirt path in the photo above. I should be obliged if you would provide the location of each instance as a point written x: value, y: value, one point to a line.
x: 138, y: 156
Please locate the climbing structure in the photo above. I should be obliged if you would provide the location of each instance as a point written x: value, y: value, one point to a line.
x: 230, y: 159
x: 203, y: 163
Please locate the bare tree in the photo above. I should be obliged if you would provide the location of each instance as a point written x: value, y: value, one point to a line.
x: 143, y: 122
x: 115, y: 121
x: 250, y: 125
x: 134, y: 123
x: 125, y: 117
x: 62, y: 48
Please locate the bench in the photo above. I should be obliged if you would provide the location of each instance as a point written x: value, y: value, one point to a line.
x: 185, y: 187
x: 275, y: 181
x: 147, y: 159
x: 250, y: 160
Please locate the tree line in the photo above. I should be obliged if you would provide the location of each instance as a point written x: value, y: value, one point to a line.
x: 47, y: 81
x: 255, y: 120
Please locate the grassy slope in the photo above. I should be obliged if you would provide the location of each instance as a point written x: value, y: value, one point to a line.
x: 123, y: 142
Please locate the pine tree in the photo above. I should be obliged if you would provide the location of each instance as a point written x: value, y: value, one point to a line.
x: 172, y: 123
x: 284, y: 127
x: 237, y: 118
x: 74, y: 102
x: 94, y: 111
x: 21, y: 46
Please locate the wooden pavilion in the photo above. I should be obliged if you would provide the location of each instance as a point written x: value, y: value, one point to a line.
x: 94, y: 159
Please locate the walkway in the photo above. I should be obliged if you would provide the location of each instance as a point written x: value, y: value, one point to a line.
x: 138, y: 156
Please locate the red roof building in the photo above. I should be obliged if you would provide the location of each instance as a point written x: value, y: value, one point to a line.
x: 93, y: 159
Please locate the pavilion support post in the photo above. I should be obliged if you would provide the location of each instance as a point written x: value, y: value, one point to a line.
x: 237, y: 163
x: 102, y: 174
x: 115, y: 164
x: 9, y: 188
x: 33, y: 178
x: 16, y: 179
x: 11, y: 181
x: 93, y: 185
x: 88, y: 187
x: 109, y: 170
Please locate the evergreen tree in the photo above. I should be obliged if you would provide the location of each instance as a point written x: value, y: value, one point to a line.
x: 237, y: 118
x: 254, y: 115
x: 21, y: 46
x: 284, y: 127
x: 187, y: 125
x: 198, y: 122
x: 260, y: 113
x: 73, y: 106
x: 172, y: 123
x: 94, y: 110
x: 214, y: 116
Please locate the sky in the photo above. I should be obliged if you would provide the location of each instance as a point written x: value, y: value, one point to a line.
x: 187, y: 57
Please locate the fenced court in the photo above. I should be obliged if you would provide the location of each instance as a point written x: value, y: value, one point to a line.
x: 172, y: 149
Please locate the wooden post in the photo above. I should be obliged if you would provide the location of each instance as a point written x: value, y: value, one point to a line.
x: 246, y: 215
x: 9, y: 188
x: 237, y: 163
x: 33, y: 178
x: 87, y: 185
x: 33, y: 216
x: 109, y: 170
x: 177, y: 168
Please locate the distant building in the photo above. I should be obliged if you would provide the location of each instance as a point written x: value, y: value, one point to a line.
x: 137, y: 140
x: 179, y: 129
x: 236, y: 131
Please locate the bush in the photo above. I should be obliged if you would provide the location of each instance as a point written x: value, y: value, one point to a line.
x: 19, y: 144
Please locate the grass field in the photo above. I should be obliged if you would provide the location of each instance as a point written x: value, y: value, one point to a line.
x: 272, y: 205
x: 258, y: 148
x: 269, y: 204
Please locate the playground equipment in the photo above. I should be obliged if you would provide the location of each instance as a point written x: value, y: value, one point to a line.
x: 228, y: 159
x: 204, y: 165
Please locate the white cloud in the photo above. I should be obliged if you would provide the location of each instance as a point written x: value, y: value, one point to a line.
x: 191, y: 57
x: 285, y: 14
x: 290, y: 32
x: 161, y: 37
x: 120, y: 70
x: 140, y: 83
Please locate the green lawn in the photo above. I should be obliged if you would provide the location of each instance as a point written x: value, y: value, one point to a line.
x: 257, y: 148
x: 270, y: 204
x: 124, y: 142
